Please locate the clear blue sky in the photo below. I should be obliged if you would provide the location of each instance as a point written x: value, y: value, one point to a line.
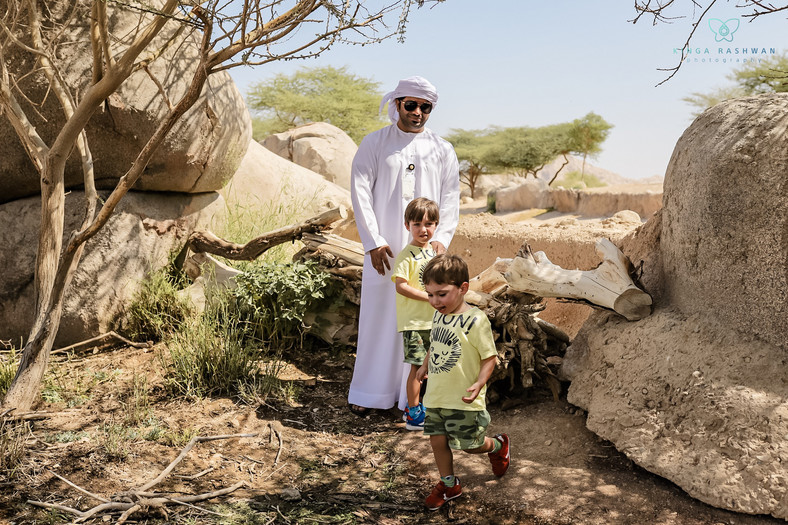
x: 528, y: 63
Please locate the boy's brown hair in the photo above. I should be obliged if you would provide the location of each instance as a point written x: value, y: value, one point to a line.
x: 445, y: 269
x: 418, y: 208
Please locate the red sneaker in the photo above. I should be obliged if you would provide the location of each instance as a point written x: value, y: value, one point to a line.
x: 441, y: 494
x: 500, y: 459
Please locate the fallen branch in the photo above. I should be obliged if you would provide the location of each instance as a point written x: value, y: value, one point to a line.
x: 207, y: 242
x: 100, y: 340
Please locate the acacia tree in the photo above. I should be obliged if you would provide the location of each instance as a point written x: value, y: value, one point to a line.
x: 768, y: 76
x: 322, y: 94
x: 586, y: 136
x: 470, y: 147
x: 231, y: 34
x: 668, y: 11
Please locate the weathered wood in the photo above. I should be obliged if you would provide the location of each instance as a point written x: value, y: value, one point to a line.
x: 608, y: 285
x: 208, y: 242
x: 350, y: 252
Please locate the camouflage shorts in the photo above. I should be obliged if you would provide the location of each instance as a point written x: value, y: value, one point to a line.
x: 464, y: 428
x: 416, y: 344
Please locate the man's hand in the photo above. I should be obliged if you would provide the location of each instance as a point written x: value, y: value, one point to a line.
x: 438, y: 247
x: 380, y: 258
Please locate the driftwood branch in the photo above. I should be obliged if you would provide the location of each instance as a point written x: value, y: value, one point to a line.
x: 100, y: 340
x: 207, y: 242
x: 131, y: 502
x: 608, y: 285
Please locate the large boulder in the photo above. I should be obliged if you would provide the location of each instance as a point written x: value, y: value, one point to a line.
x: 140, y: 237
x: 319, y: 147
x: 199, y: 154
x: 725, y: 232
x: 265, y: 181
x: 697, y: 392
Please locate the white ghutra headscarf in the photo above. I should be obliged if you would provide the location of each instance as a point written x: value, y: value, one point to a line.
x: 418, y: 87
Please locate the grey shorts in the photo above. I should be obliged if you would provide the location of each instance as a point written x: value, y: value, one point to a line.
x: 464, y: 428
x: 416, y: 344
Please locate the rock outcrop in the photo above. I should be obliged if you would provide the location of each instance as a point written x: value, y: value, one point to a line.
x: 319, y: 147
x: 697, y: 392
x: 267, y: 182
x: 201, y: 152
x: 139, y: 238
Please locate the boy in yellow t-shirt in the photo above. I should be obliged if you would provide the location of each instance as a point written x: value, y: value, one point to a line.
x: 460, y: 361
x: 414, y: 313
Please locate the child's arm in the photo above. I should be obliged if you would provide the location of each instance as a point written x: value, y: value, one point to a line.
x: 404, y: 289
x: 488, y: 365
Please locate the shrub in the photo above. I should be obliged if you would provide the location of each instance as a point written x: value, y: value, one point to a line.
x: 274, y: 298
x: 156, y: 310
x: 8, y: 366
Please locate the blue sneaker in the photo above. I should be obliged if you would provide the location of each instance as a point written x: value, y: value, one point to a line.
x: 415, y: 417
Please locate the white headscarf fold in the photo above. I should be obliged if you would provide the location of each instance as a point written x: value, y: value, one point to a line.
x: 418, y: 87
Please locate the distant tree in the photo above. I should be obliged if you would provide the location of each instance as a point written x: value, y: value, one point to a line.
x: 525, y: 150
x: 767, y: 76
x: 586, y: 136
x: 470, y: 146
x: 320, y: 94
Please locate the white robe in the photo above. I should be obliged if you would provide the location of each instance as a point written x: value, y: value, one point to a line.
x: 390, y: 169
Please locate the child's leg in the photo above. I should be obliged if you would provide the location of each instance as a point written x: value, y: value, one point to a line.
x: 444, y: 458
x: 486, y: 448
x: 413, y: 387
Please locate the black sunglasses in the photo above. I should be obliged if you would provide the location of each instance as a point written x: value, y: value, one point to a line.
x: 411, y: 105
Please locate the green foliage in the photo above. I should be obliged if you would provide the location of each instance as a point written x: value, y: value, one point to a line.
x: 491, y: 202
x: 526, y: 150
x: 576, y: 180
x: 273, y: 299
x: 321, y: 94
x: 8, y: 365
x: 587, y: 134
x: 769, y: 75
x: 156, y: 310
x: 211, y: 354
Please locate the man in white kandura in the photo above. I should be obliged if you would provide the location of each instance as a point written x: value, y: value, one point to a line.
x: 393, y: 166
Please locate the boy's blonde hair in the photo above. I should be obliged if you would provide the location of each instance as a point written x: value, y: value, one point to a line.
x: 446, y: 269
x: 418, y: 208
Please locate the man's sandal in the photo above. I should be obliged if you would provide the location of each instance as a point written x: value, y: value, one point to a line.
x: 359, y: 410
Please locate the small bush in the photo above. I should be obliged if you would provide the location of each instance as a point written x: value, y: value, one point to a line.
x: 274, y: 298
x: 491, y: 202
x: 156, y: 310
x: 8, y: 365
x: 211, y: 355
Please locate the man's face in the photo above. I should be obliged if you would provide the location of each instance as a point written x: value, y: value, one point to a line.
x: 411, y: 121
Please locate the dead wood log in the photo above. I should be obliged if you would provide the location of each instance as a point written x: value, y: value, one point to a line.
x: 205, y: 241
x: 608, y: 285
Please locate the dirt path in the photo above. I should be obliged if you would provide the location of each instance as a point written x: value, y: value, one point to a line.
x: 330, y: 466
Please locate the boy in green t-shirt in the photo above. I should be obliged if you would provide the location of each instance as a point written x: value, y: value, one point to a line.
x: 414, y: 313
x: 460, y: 361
